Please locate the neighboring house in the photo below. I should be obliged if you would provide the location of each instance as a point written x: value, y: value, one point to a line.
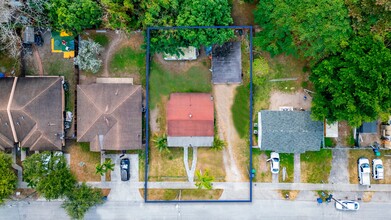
x: 189, y: 53
x: 109, y: 116
x: 31, y: 113
x: 227, y: 63
x: 190, y: 120
x: 289, y: 131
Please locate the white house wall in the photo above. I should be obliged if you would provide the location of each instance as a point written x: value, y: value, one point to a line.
x: 188, y: 140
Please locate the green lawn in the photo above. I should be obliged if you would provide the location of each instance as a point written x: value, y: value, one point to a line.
x: 286, y: 160
x: 102, y: 39
x: 182, y: 194
x: 241, y: 110
x: 163, y: 82
x: 127, y: 60
x: 7, y: 64
x: 316, y: 166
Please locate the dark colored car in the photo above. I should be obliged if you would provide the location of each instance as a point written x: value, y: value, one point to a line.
x: 38, y: 39
x: 125, y: 169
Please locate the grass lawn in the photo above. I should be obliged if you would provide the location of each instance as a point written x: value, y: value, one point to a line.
x: 7, y: 64
x: 211, y: 160
x: 286, y: 160
x: 259, y: 160
x: 163, y: 82
x: 127, y: 60
x: 329, y: 142
x: 166, y: 166
x: 316, y: 166
x: 241, y: 110
x: 80, y: 153
x: 182, y: 194
x: 102, y: 39
x: 368, y: 153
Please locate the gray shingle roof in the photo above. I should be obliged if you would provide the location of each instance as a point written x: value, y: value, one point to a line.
x: 368, y: 127
x: 289, y: 131
x: 227, y: 63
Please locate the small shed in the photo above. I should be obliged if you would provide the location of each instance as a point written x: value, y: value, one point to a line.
x: 28, y: 35
x: 186, y: 53
x: 331, y: 130
x: 368, y: 128
x: 227, y: 63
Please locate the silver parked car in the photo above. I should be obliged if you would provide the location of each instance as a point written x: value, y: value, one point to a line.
x: 377, y: 169
x: 347, y: 205
x: 274, y: 162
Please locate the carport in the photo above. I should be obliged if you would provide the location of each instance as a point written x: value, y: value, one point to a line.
x: 227, y: 63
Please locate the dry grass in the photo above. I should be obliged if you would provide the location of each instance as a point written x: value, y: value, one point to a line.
x: 292, y: 194
x: 368, y: 153
x: 85, y: 173
x: 263, y: 173
x: 166, y: 166
x: 367, y: 196
x: 316, y: 166
x: 212, y: 161
x: 182, y: 194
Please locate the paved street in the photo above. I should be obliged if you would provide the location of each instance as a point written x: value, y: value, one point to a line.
x: 259, y: 209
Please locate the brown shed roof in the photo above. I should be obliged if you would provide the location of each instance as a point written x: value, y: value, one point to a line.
x: 109, y: 116
x: 36, y: 110
x: 190, y: 114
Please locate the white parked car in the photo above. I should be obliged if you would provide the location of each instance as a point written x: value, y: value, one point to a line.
x: 364, y: 171
x: 377, y: 169
x: 274, y: 162
x: 347, y: 205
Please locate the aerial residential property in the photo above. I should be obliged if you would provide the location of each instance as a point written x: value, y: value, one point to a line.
x: 195, y: 109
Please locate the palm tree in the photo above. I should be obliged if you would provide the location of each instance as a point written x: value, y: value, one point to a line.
x: 204, y: 180
x: 100, y: 169
x: 161, y: 142
x: 108, y: 165
x: 218, y: 144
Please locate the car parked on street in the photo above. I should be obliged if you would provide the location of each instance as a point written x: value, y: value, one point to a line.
x: 364, y: 171
x: 377, y: 169
x: 125, y: 169
x: 274, y: 162
x: 347, y: 205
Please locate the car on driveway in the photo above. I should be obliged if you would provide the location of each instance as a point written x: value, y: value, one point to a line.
x: 347, y: 205
x: 377, y: 169
x: 364, y: 171
x: 274, y: 162
x: 125, y: 169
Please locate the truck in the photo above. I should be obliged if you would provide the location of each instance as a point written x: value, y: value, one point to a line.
x: 364, y: 171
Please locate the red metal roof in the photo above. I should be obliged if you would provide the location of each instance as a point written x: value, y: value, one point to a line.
x: 190, y: 114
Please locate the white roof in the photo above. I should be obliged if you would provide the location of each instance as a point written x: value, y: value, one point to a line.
x: 332, y: 130
x: 189, y: 53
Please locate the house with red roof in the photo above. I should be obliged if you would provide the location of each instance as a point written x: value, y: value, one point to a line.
x: 190, y: 120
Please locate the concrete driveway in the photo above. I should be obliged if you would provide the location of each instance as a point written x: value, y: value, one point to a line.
x: 123, y: 190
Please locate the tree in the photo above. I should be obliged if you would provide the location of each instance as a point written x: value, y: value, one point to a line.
x: 218, y: 144
x: 101, y: 169
x: 354, y: 85
x: 123, y: 14
x: 205, y: 13
x: 308, y: 28
x: 8, y: 179
x: 161, y: 142
x: 74, y: 15
x: 204, y: 180
x: 80, y: 199
x: 49, y: 174
x: 87, y: 59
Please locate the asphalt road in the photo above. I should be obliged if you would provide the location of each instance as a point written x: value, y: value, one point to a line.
x: 259, y: 209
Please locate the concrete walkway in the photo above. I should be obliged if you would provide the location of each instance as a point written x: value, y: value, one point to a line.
x: 339, y: 167
x: 296, y: 169
x: 275, y: 178
x: 190, y: 170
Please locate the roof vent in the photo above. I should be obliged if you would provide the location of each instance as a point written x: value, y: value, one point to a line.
x: 116, y: 93
x: 190, y: 115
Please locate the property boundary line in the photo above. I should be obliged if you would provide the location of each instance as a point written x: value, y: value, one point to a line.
x: 148, y: 59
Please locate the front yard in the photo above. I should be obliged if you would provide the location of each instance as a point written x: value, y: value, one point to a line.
x: 182, y: 194
x: 262, y: 167
x: 354, y: 154
x: 83, y: 162
x: 316, y: 166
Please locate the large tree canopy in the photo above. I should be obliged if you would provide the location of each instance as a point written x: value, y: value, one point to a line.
x: 123, y: 14
x: 49, y: 174
x: 309, y: 28
x: 354, y: 85
x: 8, y: 178
x: 187, y: 13
x: 74, y: 15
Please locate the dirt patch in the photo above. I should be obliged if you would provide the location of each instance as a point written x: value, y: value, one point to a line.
x: 25, y: 194
x: 261, y: 166
x: 106, y: 192
x: 242, y: 12
x: 289, y: 194
x: 367, y: 196
x: 296, y: 100
x: 153, y: 122
x: 224, y: 96
x: 345, y: 135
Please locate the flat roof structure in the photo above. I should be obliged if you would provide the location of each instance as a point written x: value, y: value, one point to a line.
x: 227, y: 63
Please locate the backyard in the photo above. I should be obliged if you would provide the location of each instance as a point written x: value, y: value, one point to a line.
x: 316, y: 166
x: 354, y: 154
